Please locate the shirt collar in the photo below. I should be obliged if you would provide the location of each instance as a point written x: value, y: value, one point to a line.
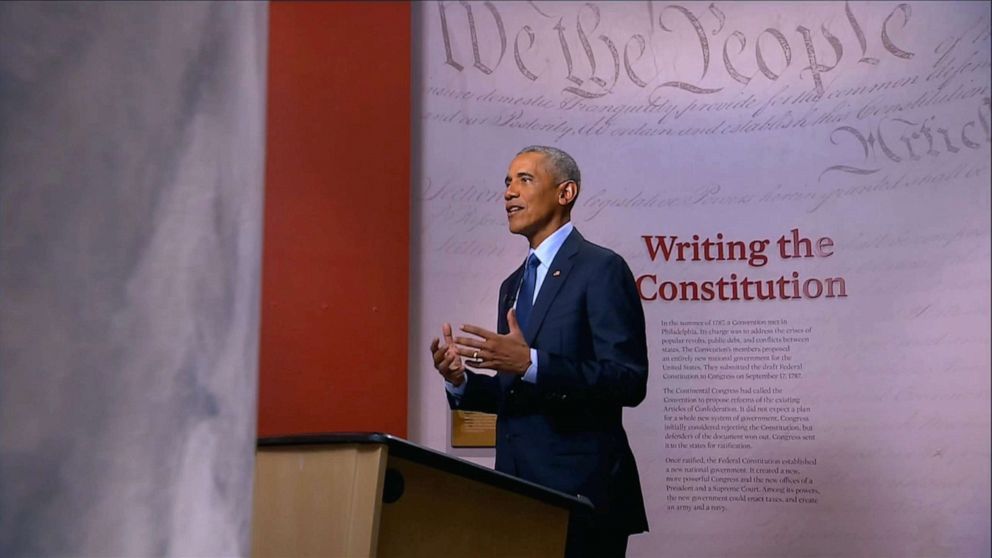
x: 548, y: 249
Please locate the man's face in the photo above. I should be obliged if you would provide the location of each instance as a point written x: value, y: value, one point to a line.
x: 534, y: 207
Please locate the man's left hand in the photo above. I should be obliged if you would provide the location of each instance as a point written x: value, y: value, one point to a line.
x: 504, y: 353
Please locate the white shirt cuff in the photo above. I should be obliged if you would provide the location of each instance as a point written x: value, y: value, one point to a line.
x: 456, y: 391
x: 530, y: 376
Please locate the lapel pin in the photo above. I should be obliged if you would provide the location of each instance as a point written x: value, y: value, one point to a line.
x: 556, y: 273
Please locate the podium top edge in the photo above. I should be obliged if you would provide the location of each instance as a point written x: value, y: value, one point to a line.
x: 329, y: 438
x: 405, y: 449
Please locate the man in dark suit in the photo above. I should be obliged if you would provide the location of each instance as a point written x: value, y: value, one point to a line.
x: 570, y: 353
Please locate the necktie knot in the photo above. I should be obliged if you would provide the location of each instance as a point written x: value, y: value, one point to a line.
x: 533, y: 261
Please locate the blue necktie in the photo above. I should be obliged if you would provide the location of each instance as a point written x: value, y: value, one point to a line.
x: 525, y: 299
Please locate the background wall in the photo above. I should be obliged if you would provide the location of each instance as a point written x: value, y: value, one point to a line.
x: 130, y: 168
x: 813, y: 425
x: 335, y: 271
x: 131, y: 151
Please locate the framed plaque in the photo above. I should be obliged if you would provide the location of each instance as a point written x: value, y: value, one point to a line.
x: 470, y: 429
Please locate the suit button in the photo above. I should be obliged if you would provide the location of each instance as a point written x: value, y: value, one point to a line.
x: 513, y: 392
x: 563, y: 396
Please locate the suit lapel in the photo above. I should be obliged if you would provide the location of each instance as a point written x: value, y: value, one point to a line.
x: 508, y: 299
x: 557, y: 274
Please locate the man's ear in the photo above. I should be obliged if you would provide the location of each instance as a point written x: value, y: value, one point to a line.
x: 568, y: 192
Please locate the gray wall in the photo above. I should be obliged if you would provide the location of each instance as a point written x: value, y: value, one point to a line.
x: 131, y: 171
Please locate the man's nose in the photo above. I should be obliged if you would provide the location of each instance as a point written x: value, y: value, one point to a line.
x: 510, y: 192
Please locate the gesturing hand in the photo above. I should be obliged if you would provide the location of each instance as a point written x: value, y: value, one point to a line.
x: 446, y: 359
x: 505, y: 353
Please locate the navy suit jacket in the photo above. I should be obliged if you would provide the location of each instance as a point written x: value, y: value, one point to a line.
x: 565, y: 432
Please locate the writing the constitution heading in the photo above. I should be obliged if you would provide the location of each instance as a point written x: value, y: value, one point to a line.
x: 738, y: 286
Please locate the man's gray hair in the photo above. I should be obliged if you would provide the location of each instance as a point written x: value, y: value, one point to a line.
x: 562, y: 164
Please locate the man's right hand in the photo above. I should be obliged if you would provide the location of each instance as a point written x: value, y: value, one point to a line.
x: 447, y: 361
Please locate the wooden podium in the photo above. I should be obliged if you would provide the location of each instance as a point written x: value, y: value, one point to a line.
x: 366, y: 495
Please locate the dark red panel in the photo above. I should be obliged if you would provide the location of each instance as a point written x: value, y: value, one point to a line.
x: 336, y: 259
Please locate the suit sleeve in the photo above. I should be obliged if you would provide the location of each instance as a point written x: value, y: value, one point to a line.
x: 616, y: 373
x: 481, y: 394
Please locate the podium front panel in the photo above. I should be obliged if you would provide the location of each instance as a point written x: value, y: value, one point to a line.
x: 440, y: 514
